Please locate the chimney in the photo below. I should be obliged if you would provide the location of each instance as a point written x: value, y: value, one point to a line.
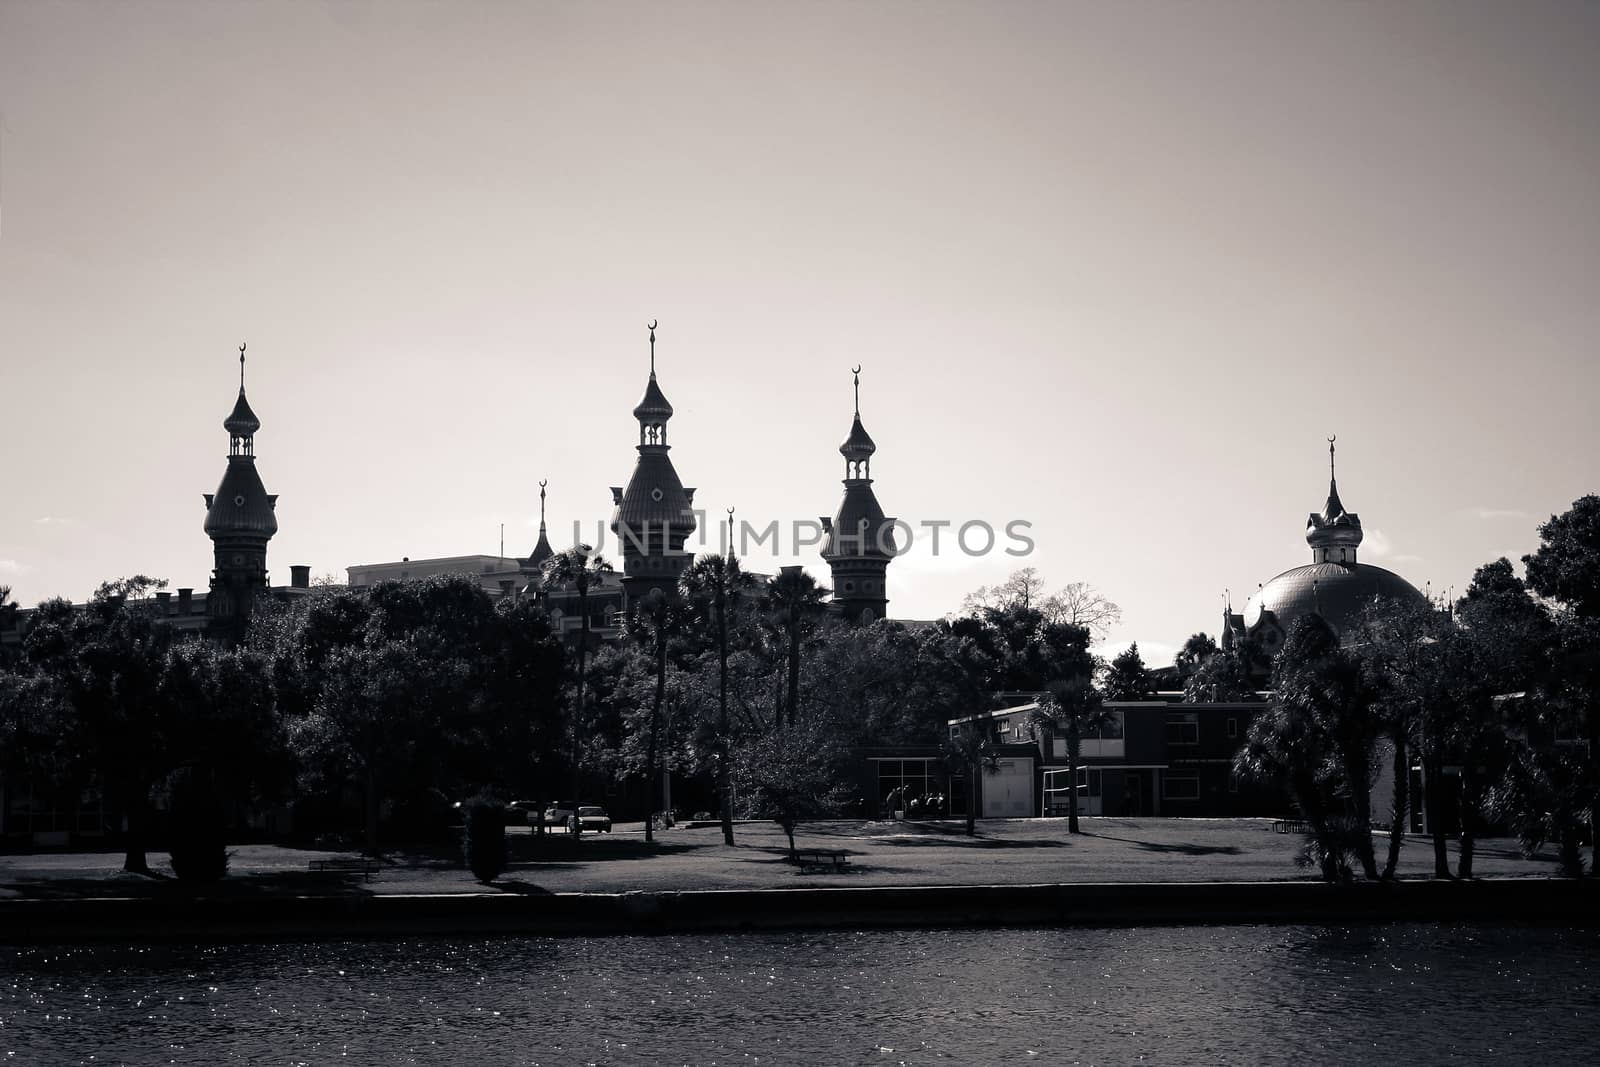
x: 300, y: 576
x: 185, y: 600
x: 164, y: 603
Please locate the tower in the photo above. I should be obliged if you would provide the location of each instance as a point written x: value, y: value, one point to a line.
x: 858, y: 542
x: 1334, y: 535
x: 531, y: 566
x: 654, y: 515
x: 240, y: 519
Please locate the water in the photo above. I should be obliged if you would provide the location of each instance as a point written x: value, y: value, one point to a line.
x: 1180, y: 995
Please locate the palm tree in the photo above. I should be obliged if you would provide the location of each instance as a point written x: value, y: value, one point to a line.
x: 793, y: 596
x: 577, y: 569
x: 1075, y: 707
x: 656, y: 617
x: 718, y: 582
x: 970, y: 752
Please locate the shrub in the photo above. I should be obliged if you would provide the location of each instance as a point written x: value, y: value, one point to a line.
x: 197, y: 839
x: 485, y: 838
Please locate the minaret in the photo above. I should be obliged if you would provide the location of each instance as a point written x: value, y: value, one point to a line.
x: 858, y: 542
x: 1335, y: 534
x: 240, y: 520
x: 655, y: 514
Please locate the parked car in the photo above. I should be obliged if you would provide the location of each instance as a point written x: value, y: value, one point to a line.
x: 594, y: 820
x: 560, y: 813
x: 523, y: 813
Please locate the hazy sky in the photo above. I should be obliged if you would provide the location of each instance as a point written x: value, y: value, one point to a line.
x: 1117, y: 269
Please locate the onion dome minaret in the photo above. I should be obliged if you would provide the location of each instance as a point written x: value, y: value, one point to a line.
x: 1334, y: 535
x: 655, y: 514
x: 532, y: 566
x: 859, y: 541
x: 240, y: 519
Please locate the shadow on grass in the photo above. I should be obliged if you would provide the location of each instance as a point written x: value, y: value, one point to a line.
x: 963, y: 841
x: 1183, y: 850
x: 246, y: 886
x: 519, y: 887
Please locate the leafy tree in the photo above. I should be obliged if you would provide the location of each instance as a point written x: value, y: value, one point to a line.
x: 1225, y: 676
x: 1399, y: 645
x: 1566, y: 566
x: 794, y: 773
x: 106, y: 663
x: 135, y: 589
x: 793, y: 599
x: 1317, y: 738
x: 1566, y: 569
x: 1129, y: 678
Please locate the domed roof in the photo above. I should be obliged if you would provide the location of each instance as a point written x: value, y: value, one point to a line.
x: 859, y: 444
x: 653, y: 407
x: 242, y: 422
x: 1336, y: 591
x: 860, y: 529
x: 654, y: 498
x: 241, y: 506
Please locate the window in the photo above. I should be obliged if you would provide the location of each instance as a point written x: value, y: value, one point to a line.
x: 1180, y: 785
x: 1183, y: 728
x: 1233, y: 727
x: 1111, y: 731
x: 1233, y: 782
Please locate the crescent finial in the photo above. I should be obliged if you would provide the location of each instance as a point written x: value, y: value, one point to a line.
x: 543, y: 482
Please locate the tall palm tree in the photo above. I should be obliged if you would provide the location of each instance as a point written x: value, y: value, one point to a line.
x: 1075, y: 707
x: 718, y: 582
x: 577, y: 569
x: 793, y: 597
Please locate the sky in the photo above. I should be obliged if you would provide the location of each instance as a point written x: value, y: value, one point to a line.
x: 1117, y: 271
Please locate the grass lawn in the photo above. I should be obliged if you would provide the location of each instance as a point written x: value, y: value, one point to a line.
x: 1012, y: 852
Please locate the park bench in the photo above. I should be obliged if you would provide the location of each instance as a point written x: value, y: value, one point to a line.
x: 1289, y: 826
x: 347, y: 865
x: 817, y: 859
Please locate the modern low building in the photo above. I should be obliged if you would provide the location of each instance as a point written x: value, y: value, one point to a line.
x: 1153, y: 757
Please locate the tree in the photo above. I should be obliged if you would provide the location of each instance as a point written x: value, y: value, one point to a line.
x: 1081, y: 604
x: 1317, y: 739
x: 794, y: 598
x: 794, y: 773
x: 1398, y: 644
x: 1128, y: 678
x: 655, y: 618
x: 1076, y: 603
x: 106, y: 663
x: 575, y: 569
x: 1075, y: 708
x: 135, y: 590
x: 1195, y: 651
x: 713, y: 585
x: 1566, y: 566
x: 970, y: 752
x: 1225, y: 675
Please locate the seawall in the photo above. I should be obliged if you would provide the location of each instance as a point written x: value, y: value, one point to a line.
x: 279, y: 918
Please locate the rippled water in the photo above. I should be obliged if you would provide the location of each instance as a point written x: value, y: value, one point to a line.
x: 1403, y: 994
